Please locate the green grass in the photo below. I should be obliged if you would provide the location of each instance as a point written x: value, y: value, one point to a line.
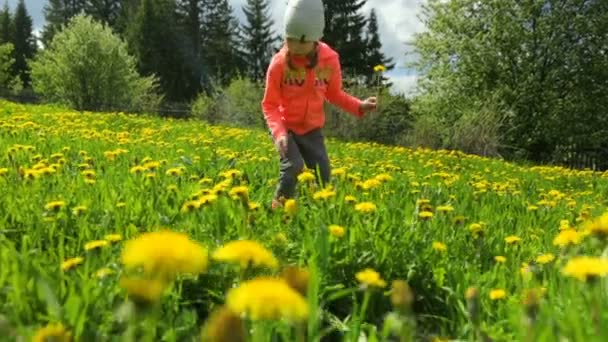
x: 394, y: 240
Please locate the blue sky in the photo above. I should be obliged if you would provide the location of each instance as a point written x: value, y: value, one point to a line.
x: 398, y: 21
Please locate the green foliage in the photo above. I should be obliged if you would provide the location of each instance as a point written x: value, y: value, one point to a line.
x: 25, y: 43
x: 88, y: 67
x: 238, y: 104
x: 8, y: 83
x: 259, y: 38
x: 544, y: 60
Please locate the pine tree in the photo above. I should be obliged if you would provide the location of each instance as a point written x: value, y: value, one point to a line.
x: 221, y: 39
x: 161, y: 48
x: 344, y: 26
x: 6, y: 24
x: 190, y: 21
x: 106, y: 11
x: 58, y: 13
x: 24, y: 41
x: 374, y: 55
x: 259, y: 37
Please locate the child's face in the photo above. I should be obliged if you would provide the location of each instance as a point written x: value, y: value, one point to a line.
x: 299, y: 48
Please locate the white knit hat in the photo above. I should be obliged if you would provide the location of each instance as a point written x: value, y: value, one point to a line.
x: 304, y: 19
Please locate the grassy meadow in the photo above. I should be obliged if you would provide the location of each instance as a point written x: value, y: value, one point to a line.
x: 116, y: 227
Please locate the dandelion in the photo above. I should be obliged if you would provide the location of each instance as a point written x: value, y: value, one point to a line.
x: 190, y: 206
x: 121, y: 205
x: 336, y: 231
x: 369, y: 277
x: 143, y: 291
x: 324, y: 194
x: 306, y: 176
x: 290, y: 206
x: 113, y: 237
x: 586, y: 268
x: 498, y: 294
x: 96, y: 244
x: 350, y: 199
x: 545, y: 258
x: 3, y: 171
x: 500, y: 259
x: 88, y: 174
x: 568, y: 237
x: 54, y: 205
x: 267, y: 298
x: 137, y: 169
x: 598, y: 227
x: 445, y: 208
x: 439, y: 246
x: 425, y: 215
x: 79, y: 210
x: 512, y: 239
x: 253, y: 206
x: 402, y: 296
x: 365, y: 207
x: 70, y: 263
x: 245, y: 253
x: 103, y: 272
x: 239, y: 192
x: 176, y: 171
x: 53, y: 332
x: 477, y: 229
x: 379, y: 68
x: 165, y: 253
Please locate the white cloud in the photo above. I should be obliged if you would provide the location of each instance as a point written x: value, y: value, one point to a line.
x: 403, y: 83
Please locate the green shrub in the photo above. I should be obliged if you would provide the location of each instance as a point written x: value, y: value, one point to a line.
x: 88, y: 67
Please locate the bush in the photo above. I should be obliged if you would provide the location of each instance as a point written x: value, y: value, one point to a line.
x: 88, y: 67
x: 9, y: 84
x: 238, y: 104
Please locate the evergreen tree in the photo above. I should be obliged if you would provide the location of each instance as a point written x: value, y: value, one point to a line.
x: 160, y: 47
x: 344, y: 28
x: 24, y: 41
x: 190, y: 21
x: 106, y: 11
x: 221, y: 41
x: 58, y: 13
x: 259, y: 37
x: 374, y: 55
x: 6, y: 24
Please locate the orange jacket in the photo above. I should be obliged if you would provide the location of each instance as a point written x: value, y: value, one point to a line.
x: 293, y: 99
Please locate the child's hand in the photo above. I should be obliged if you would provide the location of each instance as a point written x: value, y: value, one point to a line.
x: 368, y: 104
x: 281, y: 144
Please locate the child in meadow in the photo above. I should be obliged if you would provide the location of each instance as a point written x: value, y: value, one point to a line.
x: 301, y: 76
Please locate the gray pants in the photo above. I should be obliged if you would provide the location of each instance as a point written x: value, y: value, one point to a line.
x: 308, y: 148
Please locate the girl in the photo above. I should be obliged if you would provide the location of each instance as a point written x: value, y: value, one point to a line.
x: 300, y: 77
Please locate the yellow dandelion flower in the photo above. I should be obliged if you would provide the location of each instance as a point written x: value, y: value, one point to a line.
x: 88, y: 174
x: 458, y: 220
x: 370, y: 277
x: 379, y: 68
x: 598, y: 227
x: 532, y: 207
x: 151, y: 165
x: 439, y: 246
x: 96, y: 244
x: 445, y: 208
x: 476, y: 229
x: 306, y: 176
x: 350, y: 199
x: 239, y: 191
x: 586, y: 268
x: 425, y: 215
x: 336, y: 231
x: 324, y: 194
x: 290, y: 206
x: 498, y: 294
x: 70, y: 263
x: 137, y: 169
x: 52, y: 332
x: 175, y: 171
x: 205, y: 180
x: 79, y: 210
x: 207, y: 199
x: 165, y: 253
x: 500, y: 259
x: 338, y: 172
x: 253, y: 206
x: 245, y: 253
x: 54, y: 205
x: 568, y: 237
x: 365, y: 207
x: 3, y: 171
x: 143, y: 291
x: 190, y: 206
x: 545, y: 258
x: 121, y: 205
x: 103, y: 272
x: 267, y: 298
x: 512, y: 239
x: 297, y: 278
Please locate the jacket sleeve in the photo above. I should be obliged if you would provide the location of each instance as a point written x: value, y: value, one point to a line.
x: 337, y: 96
x: 272, y: 99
